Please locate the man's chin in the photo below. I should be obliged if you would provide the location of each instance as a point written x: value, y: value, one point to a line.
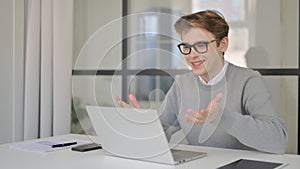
x: 198, y: 72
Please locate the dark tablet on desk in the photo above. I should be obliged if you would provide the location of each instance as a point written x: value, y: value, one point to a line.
x: 253, y: 164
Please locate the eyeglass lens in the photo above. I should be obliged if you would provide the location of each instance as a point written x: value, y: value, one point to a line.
x: 200, y: 47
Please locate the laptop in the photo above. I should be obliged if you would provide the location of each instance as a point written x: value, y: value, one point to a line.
x: 136, y: 134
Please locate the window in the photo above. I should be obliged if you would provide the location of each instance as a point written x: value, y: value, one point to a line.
x: 143, y: 58
x: 236, y: 14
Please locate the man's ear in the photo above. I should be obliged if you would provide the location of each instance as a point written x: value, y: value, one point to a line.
x: 224, y: 44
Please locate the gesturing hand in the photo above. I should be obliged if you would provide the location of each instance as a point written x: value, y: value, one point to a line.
x: 132, y: 99
x: 205, y: 115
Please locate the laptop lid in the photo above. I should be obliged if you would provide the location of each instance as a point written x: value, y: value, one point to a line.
x: 132, y: 133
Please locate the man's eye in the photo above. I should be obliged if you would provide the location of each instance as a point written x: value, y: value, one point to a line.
x: 200, y: 45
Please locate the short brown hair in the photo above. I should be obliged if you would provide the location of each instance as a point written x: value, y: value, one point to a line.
x: 211, y: 20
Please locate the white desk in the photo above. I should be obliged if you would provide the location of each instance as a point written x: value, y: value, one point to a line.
x: 67, y: 159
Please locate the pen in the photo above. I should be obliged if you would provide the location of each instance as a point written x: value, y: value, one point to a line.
x: 64, y: 144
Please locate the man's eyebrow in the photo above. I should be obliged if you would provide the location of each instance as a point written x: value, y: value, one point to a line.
x: 201, y: 41
x: 184, y: 42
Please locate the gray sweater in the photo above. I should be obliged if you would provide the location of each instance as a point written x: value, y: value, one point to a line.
x: 247, y: 119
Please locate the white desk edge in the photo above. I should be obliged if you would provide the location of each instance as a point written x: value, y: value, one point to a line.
x: 67, y: 159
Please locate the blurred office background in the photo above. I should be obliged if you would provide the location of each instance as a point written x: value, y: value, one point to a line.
x: 100, y: 49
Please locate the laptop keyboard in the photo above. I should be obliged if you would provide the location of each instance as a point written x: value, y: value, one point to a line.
x: 182, y: 155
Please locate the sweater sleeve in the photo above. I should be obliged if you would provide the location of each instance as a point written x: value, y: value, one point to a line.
x: 167, y: 113
x: 260, y: 127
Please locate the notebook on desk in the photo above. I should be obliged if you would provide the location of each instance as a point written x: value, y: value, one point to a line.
x: 135, y: 134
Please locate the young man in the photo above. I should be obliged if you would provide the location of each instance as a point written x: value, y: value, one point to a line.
x: 218, y: 104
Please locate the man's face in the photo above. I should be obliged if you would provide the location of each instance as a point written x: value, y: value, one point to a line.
x: 209, y: 64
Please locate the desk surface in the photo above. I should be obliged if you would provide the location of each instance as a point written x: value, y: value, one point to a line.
x: 67, y: 159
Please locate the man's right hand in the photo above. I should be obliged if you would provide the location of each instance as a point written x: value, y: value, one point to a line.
x: 132, y: 99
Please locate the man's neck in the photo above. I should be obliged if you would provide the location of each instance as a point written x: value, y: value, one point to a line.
x: 209, y: 79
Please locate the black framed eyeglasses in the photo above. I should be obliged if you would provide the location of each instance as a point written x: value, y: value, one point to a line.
x: 200, y: 47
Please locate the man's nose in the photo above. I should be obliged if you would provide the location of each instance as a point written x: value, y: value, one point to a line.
x: 194, y: 53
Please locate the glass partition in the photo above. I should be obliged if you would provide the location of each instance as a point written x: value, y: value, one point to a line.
x: 284, y: 90
x: 97, y: 34
x: 261, y: 36
x: 91, y: 90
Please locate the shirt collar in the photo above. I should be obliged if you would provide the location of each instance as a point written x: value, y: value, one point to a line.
x: 217, y: 78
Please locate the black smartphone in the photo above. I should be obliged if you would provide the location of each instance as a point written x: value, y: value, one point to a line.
x: 87, y: 147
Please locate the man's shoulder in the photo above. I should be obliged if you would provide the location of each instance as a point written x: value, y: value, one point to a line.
x: 241, y: 71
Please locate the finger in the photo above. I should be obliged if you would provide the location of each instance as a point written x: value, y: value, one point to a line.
x: 215, y: 102
x: 218, y: 98
x: 198, y: 115
x: 203, y: 114
x: 121, y: 102
x: 117, y: 98
x: 195, y: 117
x: 192, y: 120
x: 124, y: 105
x: 134, y: 101
x: 192, y: 112
x: 213, y: 107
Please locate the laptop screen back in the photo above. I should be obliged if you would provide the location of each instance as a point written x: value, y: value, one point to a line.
x: 130, y: 133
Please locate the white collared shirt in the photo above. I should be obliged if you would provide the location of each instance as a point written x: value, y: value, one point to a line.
x: 217, y: 78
